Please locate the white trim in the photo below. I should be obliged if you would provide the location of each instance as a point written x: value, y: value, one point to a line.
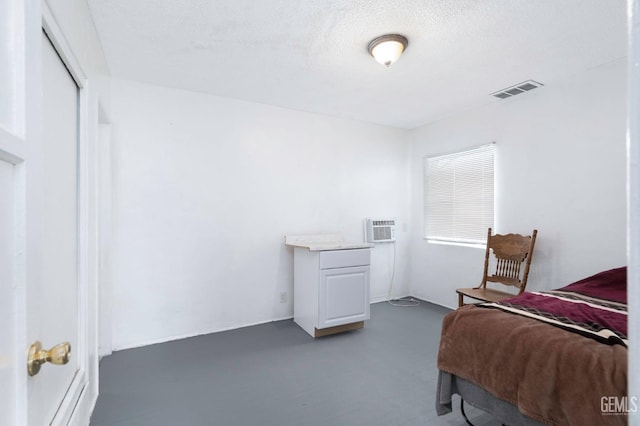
x: 62, y: 47
x: 84, y: 408
x: 458, y: 151
x: 189, y: 335
x: 70, y: 402
x: 11, y: 147
x: 380, y: 299
x: 475, y: 244
x: 103, y: 219
x: 26, y: 69
x: 633, y: 202
x: 13, y: 63
x: 20, y: 297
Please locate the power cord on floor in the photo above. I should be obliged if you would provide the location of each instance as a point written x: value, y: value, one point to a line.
x: 403, y: 303
x: 463, y: 413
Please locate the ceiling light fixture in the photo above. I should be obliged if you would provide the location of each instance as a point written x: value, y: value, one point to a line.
x: 387, y: 49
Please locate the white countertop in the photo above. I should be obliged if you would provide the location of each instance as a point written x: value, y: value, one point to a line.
x: 322, y: 242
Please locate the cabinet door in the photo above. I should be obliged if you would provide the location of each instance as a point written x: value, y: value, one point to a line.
x: 343, y: 296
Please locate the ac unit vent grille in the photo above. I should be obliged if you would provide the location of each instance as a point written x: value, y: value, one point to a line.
x: 514, y: 91
x: 525, y: 86
x: 383, y: 222
x: 381, y: 230
x: 382, y: 233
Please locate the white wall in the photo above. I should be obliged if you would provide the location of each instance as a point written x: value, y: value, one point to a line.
x: 204, y: 190
x: 560, y: 168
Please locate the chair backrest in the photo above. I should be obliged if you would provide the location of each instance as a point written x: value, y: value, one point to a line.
x: 510, y: 252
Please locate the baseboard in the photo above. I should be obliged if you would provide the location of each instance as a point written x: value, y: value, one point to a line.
x: 219, y: 330
x: 189, y: 335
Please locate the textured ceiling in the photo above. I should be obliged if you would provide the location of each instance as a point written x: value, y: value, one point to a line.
x: 311, y: 55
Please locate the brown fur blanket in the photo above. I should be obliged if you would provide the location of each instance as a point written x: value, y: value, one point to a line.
x: 552, y: 375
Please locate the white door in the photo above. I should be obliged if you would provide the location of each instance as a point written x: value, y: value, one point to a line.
x: 43, y: 219
x: 57, y: 301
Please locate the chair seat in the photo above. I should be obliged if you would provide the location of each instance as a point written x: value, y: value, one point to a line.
x: 485, y: 294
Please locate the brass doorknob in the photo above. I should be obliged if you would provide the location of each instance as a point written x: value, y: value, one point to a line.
x: 59, y: 355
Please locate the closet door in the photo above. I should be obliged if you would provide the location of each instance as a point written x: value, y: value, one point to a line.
x: 54, y: 389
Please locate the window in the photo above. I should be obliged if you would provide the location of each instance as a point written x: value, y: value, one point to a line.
x: 458, y: 196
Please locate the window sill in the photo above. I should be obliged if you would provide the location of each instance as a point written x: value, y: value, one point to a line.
x: 457, y: 243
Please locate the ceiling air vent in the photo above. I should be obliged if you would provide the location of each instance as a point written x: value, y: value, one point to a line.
x: 525, y: 86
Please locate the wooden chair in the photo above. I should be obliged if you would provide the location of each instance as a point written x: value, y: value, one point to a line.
x: 510, y: 252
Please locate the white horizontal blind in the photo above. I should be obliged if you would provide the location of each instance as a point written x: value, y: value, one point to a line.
x: 458, y: 195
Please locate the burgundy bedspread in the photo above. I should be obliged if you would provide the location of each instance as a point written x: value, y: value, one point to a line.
x: 595, y: 307
x: 556, y: 374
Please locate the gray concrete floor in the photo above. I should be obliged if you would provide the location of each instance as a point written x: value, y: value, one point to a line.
x: 276, y: 374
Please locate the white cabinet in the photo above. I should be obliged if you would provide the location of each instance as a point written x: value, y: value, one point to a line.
x: 331, y: 289
x: 344, y: 296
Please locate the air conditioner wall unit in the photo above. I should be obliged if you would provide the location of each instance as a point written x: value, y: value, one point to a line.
x: 381, y: 230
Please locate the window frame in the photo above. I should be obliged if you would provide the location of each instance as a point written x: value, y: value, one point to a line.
x: 450, y: 239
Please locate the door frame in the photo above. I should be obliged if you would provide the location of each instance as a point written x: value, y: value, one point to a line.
x: 633, y: 201
x: 104, y: 221
x: 12, y: 151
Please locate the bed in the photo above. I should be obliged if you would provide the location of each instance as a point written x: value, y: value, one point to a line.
x: 556, y: 358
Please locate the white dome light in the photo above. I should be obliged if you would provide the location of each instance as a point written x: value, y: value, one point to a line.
x: 387, y: 49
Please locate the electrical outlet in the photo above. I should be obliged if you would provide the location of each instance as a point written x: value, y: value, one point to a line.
x: 283, y: 297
